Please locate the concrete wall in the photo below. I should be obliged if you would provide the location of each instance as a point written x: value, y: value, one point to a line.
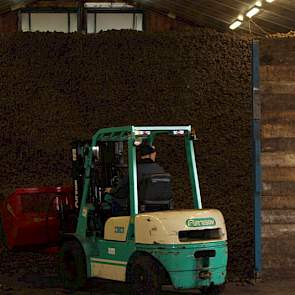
x: 278, y: 155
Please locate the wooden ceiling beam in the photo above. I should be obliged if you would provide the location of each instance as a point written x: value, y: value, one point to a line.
x: 21, y: 4
x: 58, y: 4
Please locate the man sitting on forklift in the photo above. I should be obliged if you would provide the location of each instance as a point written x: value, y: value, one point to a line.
x: 146, y: 166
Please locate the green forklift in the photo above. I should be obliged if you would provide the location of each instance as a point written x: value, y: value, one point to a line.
x: 152, y: 244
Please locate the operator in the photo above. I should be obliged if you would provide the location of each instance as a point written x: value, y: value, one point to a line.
x: 146, y: 165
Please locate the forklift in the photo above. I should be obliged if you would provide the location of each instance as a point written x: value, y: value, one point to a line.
x: 152, y: 244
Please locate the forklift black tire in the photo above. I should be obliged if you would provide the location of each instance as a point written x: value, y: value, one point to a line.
x: 145, y: 276
x: 213, y: 290
x: 72, y: 265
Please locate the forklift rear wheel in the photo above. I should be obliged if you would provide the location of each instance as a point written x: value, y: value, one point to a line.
x: 73, y: 265
x: 145, y: 276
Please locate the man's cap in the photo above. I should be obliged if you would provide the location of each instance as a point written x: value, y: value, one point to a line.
x: 146, y: 149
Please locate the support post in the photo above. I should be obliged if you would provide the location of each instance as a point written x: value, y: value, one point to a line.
x: 193, y: 173
x: 256, y: 147
x: 132, y: 177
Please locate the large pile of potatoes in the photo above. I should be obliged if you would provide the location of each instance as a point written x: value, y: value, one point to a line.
x: 56, y: 88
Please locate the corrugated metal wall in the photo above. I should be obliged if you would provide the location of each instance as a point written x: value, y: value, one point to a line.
x: 278, y: 155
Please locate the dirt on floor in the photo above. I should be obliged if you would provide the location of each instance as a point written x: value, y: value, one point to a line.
x: 30, y: 273
x: 41, y: 284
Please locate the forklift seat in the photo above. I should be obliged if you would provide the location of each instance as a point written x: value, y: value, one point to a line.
x: 154, y: 192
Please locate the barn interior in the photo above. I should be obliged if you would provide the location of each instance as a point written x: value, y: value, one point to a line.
x: 70, y: 68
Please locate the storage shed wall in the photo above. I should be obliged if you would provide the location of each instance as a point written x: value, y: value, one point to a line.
x: 278, y: 155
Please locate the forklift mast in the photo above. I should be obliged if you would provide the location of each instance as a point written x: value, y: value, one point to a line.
x: 78, y: 157
x: 108, y: 157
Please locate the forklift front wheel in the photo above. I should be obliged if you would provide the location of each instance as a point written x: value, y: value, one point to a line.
x: 73, y: 265
x: 145, y: 276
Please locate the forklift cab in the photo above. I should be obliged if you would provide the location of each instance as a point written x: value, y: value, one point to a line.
x: 111, y: 155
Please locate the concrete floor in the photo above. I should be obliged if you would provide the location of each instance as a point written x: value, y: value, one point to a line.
x: 34, y: 286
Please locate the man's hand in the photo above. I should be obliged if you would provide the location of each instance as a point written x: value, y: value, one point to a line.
x: 108, y: 190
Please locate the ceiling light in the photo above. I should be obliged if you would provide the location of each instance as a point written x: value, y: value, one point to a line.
x: 258, y: 3
x: 106, y: 5
x: 235, y: 24
x: 171, y: 15
x: 253, y: 11
x: 241, y: 17
x: 270, y: 1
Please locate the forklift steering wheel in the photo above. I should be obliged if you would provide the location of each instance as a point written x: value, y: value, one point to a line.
x: 115, y: 180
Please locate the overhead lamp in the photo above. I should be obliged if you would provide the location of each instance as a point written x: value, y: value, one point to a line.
x: 235, y: 24
x: 171, y: 15
x: 106, y: 5
x: 253, y: 11
x: 143, y: 133
x: 178, y: 132
x: 270, y: 1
